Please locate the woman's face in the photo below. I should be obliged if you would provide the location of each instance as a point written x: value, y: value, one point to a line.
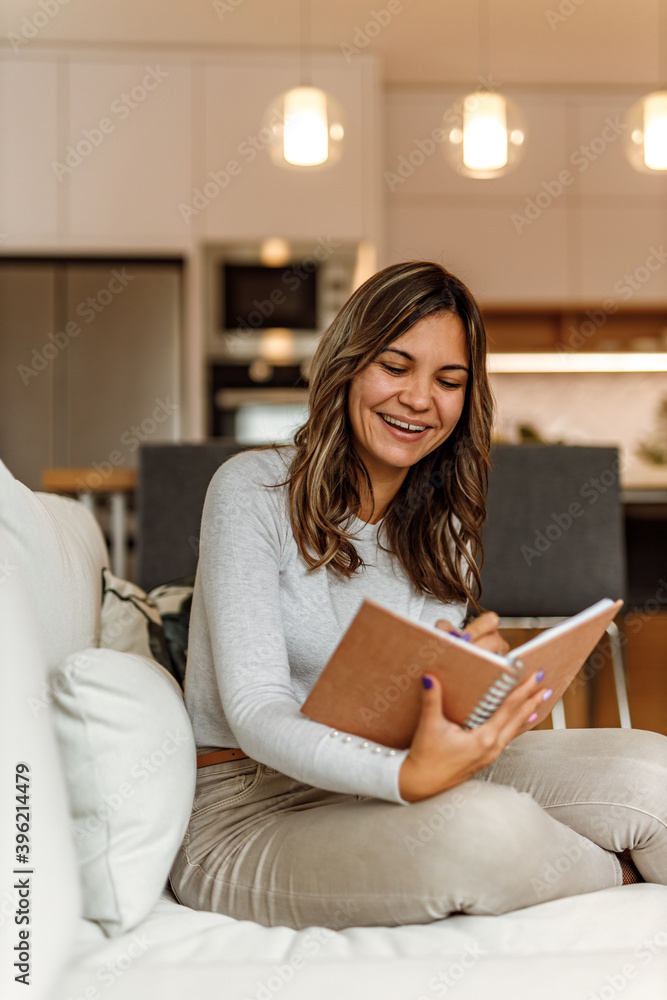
x: 409, y: 400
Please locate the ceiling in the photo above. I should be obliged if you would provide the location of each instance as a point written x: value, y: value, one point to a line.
x: 606, y: 43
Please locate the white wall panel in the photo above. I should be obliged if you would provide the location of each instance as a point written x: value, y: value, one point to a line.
x: 131, y: 182
x: 598, y: 154
x: 617, y: 257
x: 28, y: 125
x: 481, y: 247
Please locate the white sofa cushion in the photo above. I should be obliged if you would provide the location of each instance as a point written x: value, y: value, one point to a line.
x: 61, y: 553
x: 129, y: 757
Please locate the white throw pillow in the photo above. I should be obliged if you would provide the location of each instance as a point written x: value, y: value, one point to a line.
x: 61, y: 552
x: 129, y: 758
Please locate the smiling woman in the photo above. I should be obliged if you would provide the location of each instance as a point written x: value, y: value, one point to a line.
x: 383, y: 496
x: 408, y: 348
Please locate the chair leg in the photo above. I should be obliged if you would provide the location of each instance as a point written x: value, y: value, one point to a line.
x: 619, y: 676
x: 558, y: 715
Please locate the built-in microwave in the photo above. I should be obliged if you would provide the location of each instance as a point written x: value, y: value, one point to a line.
x: 263, y: 325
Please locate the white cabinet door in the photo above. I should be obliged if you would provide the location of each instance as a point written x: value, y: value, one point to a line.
x: 29, y: 188
x: 123, y: 368
x: 255, y: 198
x: 127, y: 155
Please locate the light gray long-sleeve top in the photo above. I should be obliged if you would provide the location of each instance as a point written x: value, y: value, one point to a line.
x: 263, y: 627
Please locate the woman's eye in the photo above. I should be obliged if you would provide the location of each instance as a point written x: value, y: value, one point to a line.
x: 393, y: 371
x: 449, y: 385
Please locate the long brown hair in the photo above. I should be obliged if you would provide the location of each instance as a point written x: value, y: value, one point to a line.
x: 433, y: 524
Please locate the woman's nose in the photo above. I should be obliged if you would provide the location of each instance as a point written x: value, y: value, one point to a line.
x: 416, y: 393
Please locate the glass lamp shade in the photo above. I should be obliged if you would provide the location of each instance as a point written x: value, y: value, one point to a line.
x: 306, y: 128
x: 646, y: 136
x: 485, y: 134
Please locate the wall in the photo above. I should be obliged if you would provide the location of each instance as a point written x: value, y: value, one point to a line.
x: 162, y: 152
x: 600, y: 237
x: 527, y: 237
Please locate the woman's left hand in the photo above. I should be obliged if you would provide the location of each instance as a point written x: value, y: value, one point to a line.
x: 483, y: 631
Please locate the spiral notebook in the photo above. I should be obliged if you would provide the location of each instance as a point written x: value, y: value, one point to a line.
x: 371, y: 686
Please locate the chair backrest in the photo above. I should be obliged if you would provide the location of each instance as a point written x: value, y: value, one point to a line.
x: 171, y: 487
x: 554, y: 535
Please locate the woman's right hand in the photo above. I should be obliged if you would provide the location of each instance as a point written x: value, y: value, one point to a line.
x: 443, y: 754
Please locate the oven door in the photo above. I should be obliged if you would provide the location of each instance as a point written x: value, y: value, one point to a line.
x: 257, y: 413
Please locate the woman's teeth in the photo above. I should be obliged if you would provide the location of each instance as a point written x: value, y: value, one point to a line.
x: 414, y: 428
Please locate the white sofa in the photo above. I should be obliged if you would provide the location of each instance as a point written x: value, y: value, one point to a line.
x: 111, y: 767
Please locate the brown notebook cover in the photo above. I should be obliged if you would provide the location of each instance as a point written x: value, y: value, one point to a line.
x: 371, y: 686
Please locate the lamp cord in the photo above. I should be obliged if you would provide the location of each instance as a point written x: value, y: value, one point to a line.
x: 305, y: 54
x: 483, y: 44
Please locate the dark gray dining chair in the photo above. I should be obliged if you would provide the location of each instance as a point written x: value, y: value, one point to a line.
x: 554, y: 541
x: 172, y: 480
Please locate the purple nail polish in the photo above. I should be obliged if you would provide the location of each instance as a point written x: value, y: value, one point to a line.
x: 466, y: 636
x: 547, y: 694
x: 540, y: 677
x: 427, y: 683
x: 531, y: 718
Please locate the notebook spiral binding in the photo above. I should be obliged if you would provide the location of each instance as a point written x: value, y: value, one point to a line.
x: 495, y: 695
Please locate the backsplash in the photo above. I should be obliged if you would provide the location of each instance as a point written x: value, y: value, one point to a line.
x: 587, y: 408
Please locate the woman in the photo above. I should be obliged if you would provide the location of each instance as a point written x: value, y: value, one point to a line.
x: 383, y: 496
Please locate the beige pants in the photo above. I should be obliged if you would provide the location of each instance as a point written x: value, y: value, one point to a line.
x: 542, y: 822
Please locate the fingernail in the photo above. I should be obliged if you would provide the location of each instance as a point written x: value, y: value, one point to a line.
x: 540, y: 676
x: 427, y: 683
x: 531, y: 718
x: 547, y: 694
x: 466, y: 636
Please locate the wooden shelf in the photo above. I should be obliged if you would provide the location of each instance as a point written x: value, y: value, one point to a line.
x: 605, y: 326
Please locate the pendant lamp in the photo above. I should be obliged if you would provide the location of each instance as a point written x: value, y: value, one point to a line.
x: 484, y: 132
x: 306, y: 123
x: 646, y: 135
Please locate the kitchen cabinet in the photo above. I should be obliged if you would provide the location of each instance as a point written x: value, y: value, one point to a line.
x: 29, y: 190
x: 89, y: 362
x: 129, y: 137
x: 597, y: 325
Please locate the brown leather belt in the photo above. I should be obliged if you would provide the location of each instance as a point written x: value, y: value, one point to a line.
x: 220, y: 757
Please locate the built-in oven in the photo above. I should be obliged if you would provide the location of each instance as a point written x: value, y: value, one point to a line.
x: 257, y: 402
